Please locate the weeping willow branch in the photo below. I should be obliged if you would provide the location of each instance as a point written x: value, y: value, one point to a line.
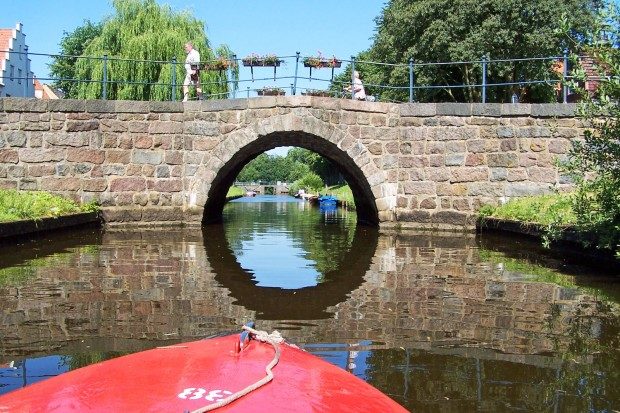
x: 141, y: 39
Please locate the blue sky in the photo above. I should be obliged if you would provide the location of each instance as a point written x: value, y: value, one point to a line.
x: 341, y: 28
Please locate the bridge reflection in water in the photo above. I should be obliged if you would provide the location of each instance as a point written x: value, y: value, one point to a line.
x: 435, y: 321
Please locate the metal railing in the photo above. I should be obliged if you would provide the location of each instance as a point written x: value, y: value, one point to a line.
x: 105, y: 78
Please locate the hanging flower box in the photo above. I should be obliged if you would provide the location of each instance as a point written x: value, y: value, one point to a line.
x: 318, y: 62
x: 271, y: 91
x: 319, y: 93
x: 256, y: 60
x: 219, y: 64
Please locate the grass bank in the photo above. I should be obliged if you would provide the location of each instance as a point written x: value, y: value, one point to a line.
x: 20, y: 205
x: 234, y: 192
x: 554, y: 219
x: 543, y: 210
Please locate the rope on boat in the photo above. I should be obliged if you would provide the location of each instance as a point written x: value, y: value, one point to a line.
x: 274, y: 339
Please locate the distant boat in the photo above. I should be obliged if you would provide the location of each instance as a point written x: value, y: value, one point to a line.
x: 250, y: 193
x: 327, y: 200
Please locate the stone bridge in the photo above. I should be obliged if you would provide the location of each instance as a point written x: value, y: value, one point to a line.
x: 422, y: 165
x: 275, y: 189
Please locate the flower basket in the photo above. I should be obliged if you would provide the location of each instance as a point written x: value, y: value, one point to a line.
x: 319, y: 62
x: 220, y: 64
x: 271, y: 91
x: 319, y: 93
x: 260, y: 62
x: 255, y: 60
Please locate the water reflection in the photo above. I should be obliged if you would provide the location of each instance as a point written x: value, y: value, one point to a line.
x: 340, y: 254
x: 267, y: 230
x: 439, y: 322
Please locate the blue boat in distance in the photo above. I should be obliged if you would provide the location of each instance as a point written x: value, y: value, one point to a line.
x: 327, y: 201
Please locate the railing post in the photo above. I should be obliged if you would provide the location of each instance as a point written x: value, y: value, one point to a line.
x: 484, y: 79
x: 174, y: 79
x: 248, y: 92
x: 411, y: 80
x: 352, y: 77
x: 105, y: 77
x: 564, y: 77
x: 26, y: 88
x: 236, y: 85
x: 295, y: 80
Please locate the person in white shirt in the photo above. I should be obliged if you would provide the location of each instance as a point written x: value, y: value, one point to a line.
x: 192, y: 71
x: 358, y: 87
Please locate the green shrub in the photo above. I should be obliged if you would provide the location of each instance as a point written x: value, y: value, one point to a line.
x: 310, y: 182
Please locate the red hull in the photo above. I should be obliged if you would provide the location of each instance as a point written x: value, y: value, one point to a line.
x: 192, y: 375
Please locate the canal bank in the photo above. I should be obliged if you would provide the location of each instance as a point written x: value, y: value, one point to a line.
x: 568, y: 241
x: 32, y: 227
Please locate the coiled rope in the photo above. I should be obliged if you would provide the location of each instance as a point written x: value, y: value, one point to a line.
x: 274, y: 339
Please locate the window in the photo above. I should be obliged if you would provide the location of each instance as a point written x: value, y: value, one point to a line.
x: 12, y: 72
x: 19, y: 76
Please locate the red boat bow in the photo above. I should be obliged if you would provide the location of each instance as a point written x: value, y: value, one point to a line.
x: 191, y: 376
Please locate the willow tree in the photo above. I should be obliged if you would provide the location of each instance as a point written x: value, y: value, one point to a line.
x: 143, y: 44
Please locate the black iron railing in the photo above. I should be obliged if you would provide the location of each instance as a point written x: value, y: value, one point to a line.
x: 236, y: 77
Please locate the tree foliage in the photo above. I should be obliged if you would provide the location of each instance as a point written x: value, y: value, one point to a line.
x: 318, y: 164
x: 140, y: 39
x: 311, y: 182
x: 71, y: 46
x: 272, y: 168
x: 594, y: 162
x: 465, y: 30
x: 297, y: 163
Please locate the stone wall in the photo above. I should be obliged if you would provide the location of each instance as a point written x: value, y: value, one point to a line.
x: 429, y: 165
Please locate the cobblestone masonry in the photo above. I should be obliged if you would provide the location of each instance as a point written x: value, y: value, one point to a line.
x: 422, y: 165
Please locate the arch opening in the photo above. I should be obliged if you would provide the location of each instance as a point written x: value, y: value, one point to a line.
x: 367, y: 213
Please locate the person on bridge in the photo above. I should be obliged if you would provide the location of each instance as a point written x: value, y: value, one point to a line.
x: 358, y: 87
x: 192, y: 71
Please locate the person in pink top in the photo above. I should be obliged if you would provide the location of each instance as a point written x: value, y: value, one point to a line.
x: 358, y: 87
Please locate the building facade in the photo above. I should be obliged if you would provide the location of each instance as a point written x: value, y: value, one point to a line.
x: 16, y: 79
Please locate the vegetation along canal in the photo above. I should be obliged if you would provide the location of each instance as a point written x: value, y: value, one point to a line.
x: 440, y: 322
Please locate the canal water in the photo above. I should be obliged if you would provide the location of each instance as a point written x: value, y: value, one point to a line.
x: 439, y: 322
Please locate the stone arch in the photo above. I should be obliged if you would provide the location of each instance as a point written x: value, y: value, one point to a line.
x: 372, y: 193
